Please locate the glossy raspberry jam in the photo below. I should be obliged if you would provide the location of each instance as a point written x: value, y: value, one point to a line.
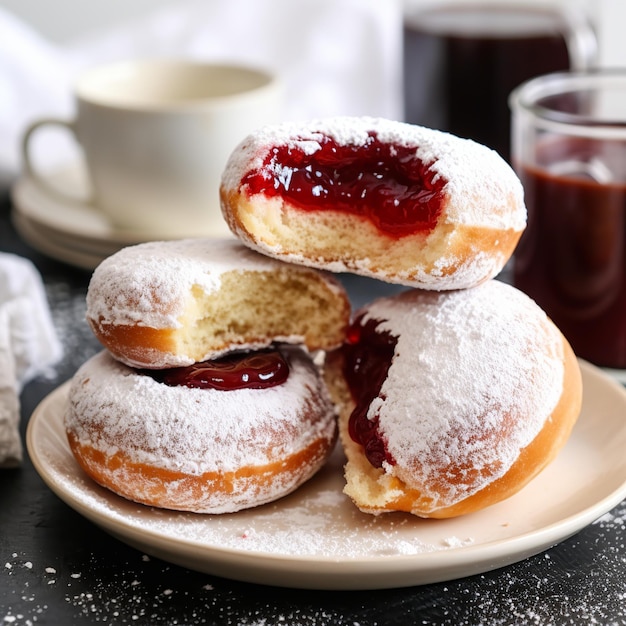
x: 368, y: 354
x: 385, y: 183
x: 253, y: 370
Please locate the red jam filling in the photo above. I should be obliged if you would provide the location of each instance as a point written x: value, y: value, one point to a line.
x: 384, y: 183
x: 253, y: 370
x: 368, y: 354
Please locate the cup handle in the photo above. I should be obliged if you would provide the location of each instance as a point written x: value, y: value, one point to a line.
x: 29, y: 165
x: 581, y: 40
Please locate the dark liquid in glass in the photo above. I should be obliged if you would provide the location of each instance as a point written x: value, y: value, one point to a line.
x: 461, y: 64
x: 572, y: 258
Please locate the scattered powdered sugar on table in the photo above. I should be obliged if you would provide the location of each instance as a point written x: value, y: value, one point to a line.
x: 613, y: 519
x: 68, y: 316
x: 144, y: 591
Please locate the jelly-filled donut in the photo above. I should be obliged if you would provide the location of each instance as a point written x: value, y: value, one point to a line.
x: 174, y: 303
x: 385, y: 199
x: 234, y: 434
x: 453, y: 401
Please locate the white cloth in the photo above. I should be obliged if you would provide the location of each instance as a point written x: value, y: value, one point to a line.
x: 28, y: 345
x: 336, y: 57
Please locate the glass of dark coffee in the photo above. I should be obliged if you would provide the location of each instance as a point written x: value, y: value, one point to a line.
x: 569, y: 149
x: 463, y: 59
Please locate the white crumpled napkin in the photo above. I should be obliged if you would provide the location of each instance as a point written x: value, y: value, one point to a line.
x: 336, y: 57
x: 28, y: 345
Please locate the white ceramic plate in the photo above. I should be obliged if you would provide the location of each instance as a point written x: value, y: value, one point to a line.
x: 315, y: 538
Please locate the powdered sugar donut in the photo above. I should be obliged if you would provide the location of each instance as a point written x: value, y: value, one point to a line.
x: 207, y: 450
x: 173, y: 303
x: 406, y: 204
x: 453, y: 400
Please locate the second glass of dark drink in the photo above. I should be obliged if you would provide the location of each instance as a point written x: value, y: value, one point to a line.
x: 462, y: 60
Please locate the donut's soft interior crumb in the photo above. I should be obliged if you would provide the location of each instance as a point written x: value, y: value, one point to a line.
x: 330, y: 235
x: 345, y: 242
x: 286, y: 305
x: 370, y: 488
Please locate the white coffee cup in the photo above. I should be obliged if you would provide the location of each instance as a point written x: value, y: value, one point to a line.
x: 156, y: 135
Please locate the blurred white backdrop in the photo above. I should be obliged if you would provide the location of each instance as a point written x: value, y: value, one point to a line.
x: 65, y: 20
x: 337, y: 56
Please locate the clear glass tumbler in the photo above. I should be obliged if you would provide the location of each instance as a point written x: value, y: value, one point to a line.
x: 569, y: 149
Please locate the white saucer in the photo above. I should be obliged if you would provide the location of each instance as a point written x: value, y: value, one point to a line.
x: 71, y: 231
x: 77, y: 219
x: 33, y: 234
x: 315, y: 538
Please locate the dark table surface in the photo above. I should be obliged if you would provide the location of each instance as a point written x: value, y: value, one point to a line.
x: 58, y: 568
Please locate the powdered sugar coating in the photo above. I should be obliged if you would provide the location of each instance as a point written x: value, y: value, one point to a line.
x: 470, y: 169
x: 475, y: 375
x: 192, y: 432
x: 186, y: 429
x: 149, y: 284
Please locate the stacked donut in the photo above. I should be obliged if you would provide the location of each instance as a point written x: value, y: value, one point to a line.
x: 207, y: 397
x: 451, y: 395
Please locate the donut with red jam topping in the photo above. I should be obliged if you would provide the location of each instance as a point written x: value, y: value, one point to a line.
x: 385, y: 199
x: 452, y: 401
x: 215, y: 437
